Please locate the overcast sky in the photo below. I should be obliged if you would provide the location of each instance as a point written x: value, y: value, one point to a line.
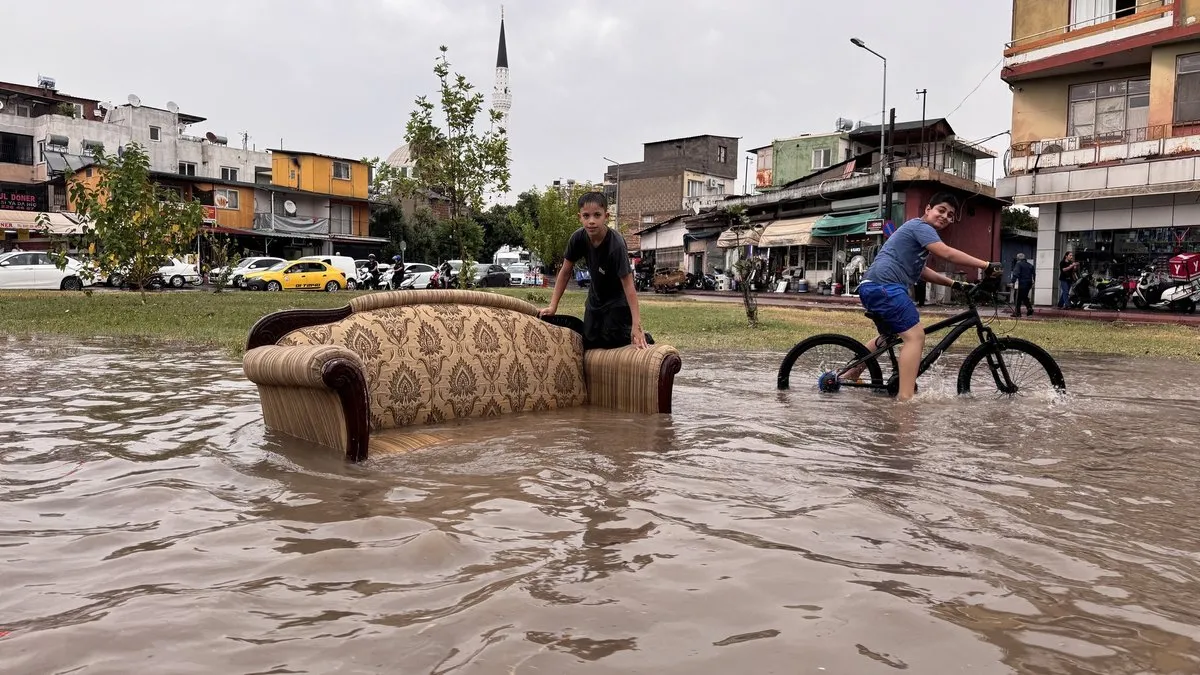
x: 589, y: 78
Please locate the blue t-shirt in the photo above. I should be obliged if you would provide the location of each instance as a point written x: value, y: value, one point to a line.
x: 903, y: 255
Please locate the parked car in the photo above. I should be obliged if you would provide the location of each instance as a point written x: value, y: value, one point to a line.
x: 36, y: 269
x: 517, y: 273
x: 304, y: 275
x: 343, y: 263
x: 178, y: 273
x: 244, y: 265
x: 492, y: 276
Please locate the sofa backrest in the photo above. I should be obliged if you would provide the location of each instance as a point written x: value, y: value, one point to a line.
x: 436, y: 355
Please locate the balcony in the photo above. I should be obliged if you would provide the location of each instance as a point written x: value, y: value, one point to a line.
x: 1133, y: 162
x: 1071, y: 47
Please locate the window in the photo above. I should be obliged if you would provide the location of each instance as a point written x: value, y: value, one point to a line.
x: 156, y: 134
x: 695, y: 188
x: 90, y: 148
x: 818, y: 258
x: 226, y: 199
x: 229, y: 173
x: 187, y: 168
x: 341, y: 219
x: 41, y: 152
x: 1086, y: 13
x: 1187, y: 88
x: 341, y: 170
x: 16, y: 149
x: 1103, y: 110
x: 821, y: 158
x: 78, y: 111
x: 721, y: 154
x: 23, y: 110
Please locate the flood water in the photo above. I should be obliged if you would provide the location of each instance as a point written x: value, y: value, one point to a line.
x: 148, y: 523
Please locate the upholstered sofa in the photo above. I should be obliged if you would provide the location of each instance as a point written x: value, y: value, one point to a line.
x: 386, y: 372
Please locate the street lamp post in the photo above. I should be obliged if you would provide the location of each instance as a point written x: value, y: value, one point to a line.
x: 882, y: 123
x: 746, y: 182
x: 617, y: 198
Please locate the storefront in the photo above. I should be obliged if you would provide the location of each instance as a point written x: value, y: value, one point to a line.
x: 791, y: 248
x: 34, y: 230
x: 1118, y: 253
x: 856, y: 238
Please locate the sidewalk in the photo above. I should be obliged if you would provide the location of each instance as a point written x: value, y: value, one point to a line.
x: 851, y: 303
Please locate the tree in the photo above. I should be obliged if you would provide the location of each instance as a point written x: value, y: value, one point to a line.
x: 450, y: 157
x: 554, y: 219
x: 1015, y: 218
x: 735, y: 219
x: 130, y: 226
x: 498, y: 229
x: 221, y: 258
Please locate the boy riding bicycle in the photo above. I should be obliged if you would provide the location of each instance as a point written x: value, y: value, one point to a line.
x: 899, y: 265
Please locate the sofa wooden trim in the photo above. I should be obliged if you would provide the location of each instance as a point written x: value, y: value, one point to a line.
x: 272, y: 327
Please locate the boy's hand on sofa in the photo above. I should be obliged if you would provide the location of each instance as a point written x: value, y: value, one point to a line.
x: 638, y: 338
x: 548, y: 311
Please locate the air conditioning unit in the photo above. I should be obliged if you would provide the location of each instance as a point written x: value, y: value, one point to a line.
x: 714, y: 183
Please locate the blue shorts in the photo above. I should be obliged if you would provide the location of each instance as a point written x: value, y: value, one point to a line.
x: 891, y: 303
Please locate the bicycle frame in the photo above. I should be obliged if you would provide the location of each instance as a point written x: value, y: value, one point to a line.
x: 962, y: 322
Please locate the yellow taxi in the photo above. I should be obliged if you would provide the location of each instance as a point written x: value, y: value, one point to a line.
x: 304, y: 275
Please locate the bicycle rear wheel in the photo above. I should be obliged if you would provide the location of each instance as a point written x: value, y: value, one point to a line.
x: 1030, y: 368
x: 812, y: 358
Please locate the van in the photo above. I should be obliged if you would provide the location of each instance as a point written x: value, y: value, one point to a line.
x: 343, y: 263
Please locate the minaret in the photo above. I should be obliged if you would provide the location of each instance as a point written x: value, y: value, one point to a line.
x: 501, y: 96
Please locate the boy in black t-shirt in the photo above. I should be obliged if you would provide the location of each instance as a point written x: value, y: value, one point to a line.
x: 611, y: 317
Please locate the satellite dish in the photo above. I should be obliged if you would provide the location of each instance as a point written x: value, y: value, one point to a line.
x: 173, y: 106
x: 844, y: 124
x: 1, y: 105
x: 289, y: 207
x: 134, y: 100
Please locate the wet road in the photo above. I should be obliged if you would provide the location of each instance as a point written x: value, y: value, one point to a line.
x: 149, y: 524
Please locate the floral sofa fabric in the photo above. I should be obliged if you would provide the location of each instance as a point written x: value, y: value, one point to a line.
x: 360, y: 377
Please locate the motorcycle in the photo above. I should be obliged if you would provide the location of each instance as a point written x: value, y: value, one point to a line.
x: 641, y: 279
x: 1154, y: 292
x: 701, y: 282
x: 1103, y: 293
x: 367, y: 280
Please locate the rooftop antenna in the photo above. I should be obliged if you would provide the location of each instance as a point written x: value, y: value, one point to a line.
x: 245, y: 140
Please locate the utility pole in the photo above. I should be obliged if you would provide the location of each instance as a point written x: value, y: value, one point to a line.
x: 922, y: 93
x: 617, y: 196
x: 746, y: 180
x: 891, y: 140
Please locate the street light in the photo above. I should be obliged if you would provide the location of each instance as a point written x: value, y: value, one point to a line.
x: 882, y: 124
x: 617, y: 198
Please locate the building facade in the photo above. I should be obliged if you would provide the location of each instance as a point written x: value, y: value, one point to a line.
x: 675, y: 177
x: 828, y: 226
x: 788, y: 159
x: 1106, y: 131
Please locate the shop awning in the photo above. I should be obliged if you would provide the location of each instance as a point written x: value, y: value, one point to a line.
x: 57, y: 223
x: 840, y: 225
x: 791, y: 232
x: 744, y: 236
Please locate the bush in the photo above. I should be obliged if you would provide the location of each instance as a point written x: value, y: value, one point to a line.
x: 537, y: 297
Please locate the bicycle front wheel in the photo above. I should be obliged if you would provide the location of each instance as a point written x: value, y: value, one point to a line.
x: 812, y: 358
x: 1030, y: 368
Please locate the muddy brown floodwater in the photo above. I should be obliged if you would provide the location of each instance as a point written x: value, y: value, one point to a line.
x: 148, y: 523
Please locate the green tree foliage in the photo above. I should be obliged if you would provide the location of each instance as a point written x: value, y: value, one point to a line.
x: 498, y: 230
x: 221, y: 258
x: 1015, y: 218
x: 130, y: 226
x: 554, y: 218
x: 735, y: 219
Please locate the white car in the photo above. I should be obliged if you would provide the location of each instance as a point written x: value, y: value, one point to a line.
x: 178, y: 273
x: 417, y: 275
x: 251, y: 264
x: 342, y: 262
x: 35, y: 269
x: 518, y: 273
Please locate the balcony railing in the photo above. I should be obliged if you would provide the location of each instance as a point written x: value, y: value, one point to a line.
x: 1143, y: 11
x: 1073, y: 143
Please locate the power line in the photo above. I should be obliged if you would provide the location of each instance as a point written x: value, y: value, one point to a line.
x: 972, y: 92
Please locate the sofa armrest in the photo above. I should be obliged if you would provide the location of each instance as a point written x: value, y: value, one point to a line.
x: 314, y: 392
x: 630, y: 379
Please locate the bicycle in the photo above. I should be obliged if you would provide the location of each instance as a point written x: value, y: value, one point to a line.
x: 1001, y: 354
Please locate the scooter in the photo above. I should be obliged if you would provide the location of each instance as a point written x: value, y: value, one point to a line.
x: 1103, y: 293
x: 701, y: 282
x: 1154, y: 292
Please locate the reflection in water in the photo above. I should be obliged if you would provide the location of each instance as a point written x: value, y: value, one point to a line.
x: 148, y: 519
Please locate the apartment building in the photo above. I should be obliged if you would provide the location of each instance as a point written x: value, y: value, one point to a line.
x: 1105, y: 131
x: 675, y: 177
